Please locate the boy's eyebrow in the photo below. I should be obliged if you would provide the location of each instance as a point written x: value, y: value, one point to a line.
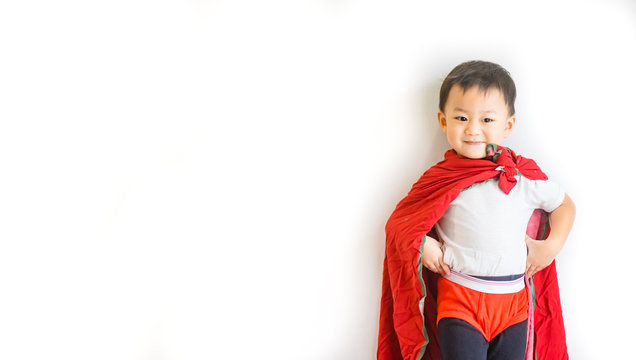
x: 483, y: 112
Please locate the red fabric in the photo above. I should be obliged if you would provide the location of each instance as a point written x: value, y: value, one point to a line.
x: 409, y: 289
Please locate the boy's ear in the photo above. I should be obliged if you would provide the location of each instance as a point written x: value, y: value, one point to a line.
x: 441, y: 119
x: 510, y: 124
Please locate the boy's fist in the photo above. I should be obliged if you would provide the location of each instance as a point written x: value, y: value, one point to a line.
x: 540, y: 255
x: 433, y: 257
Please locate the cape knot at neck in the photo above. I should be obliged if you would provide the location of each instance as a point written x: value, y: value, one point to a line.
x: 507, y: 165
x: 510, y: 171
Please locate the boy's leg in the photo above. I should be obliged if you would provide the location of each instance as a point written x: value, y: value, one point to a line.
x: 458, y: 340
x: 510, y: 344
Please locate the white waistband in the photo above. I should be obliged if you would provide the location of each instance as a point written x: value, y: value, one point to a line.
x: 486, y: 286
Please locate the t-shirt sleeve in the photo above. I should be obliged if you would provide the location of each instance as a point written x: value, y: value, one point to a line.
x: 544, y: 194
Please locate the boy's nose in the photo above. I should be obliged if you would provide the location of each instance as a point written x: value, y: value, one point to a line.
x: 473, y: 128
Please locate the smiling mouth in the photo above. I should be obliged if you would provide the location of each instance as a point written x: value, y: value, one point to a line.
x: 474, y: 142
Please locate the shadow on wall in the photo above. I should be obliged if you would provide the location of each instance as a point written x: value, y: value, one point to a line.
x: 427, y: 148
x: 432, y: 134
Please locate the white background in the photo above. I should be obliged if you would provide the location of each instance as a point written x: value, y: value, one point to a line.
x: 211, y: 179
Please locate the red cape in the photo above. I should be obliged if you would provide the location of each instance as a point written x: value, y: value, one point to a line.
x: 408, y: 312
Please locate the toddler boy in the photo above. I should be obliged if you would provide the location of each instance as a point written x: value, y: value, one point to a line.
x: 476, y: 205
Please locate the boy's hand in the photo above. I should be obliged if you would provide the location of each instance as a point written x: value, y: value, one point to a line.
x: 433, y: 257
x: 540, y: 255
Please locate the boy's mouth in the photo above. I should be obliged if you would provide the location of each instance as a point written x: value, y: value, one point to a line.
x: 474, y: 142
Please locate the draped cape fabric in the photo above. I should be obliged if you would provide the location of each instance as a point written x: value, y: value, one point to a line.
x: 408, y: 310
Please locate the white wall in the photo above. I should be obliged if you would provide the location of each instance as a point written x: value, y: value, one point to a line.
x: 211, y: 179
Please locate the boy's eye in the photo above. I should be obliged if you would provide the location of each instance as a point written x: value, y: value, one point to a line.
x: 461, y: 118
x: 487, y: 120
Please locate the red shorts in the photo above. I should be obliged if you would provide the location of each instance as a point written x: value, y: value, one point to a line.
x: 489, y: 313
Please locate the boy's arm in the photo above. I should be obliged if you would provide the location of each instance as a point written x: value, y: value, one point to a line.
x: 433, y: 256
x: 542, y: 252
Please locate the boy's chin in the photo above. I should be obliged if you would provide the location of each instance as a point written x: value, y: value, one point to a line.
x: 476, y: 157
x: 472, y: 154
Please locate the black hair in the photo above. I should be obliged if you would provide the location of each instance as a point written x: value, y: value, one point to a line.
x: 484, y: 74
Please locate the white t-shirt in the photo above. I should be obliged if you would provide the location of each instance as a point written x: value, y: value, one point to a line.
x: 483, y: 230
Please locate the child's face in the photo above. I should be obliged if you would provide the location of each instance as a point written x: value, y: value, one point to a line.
x: 473, y: 119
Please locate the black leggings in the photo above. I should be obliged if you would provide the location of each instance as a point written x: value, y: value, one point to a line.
x: 458, y: 340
